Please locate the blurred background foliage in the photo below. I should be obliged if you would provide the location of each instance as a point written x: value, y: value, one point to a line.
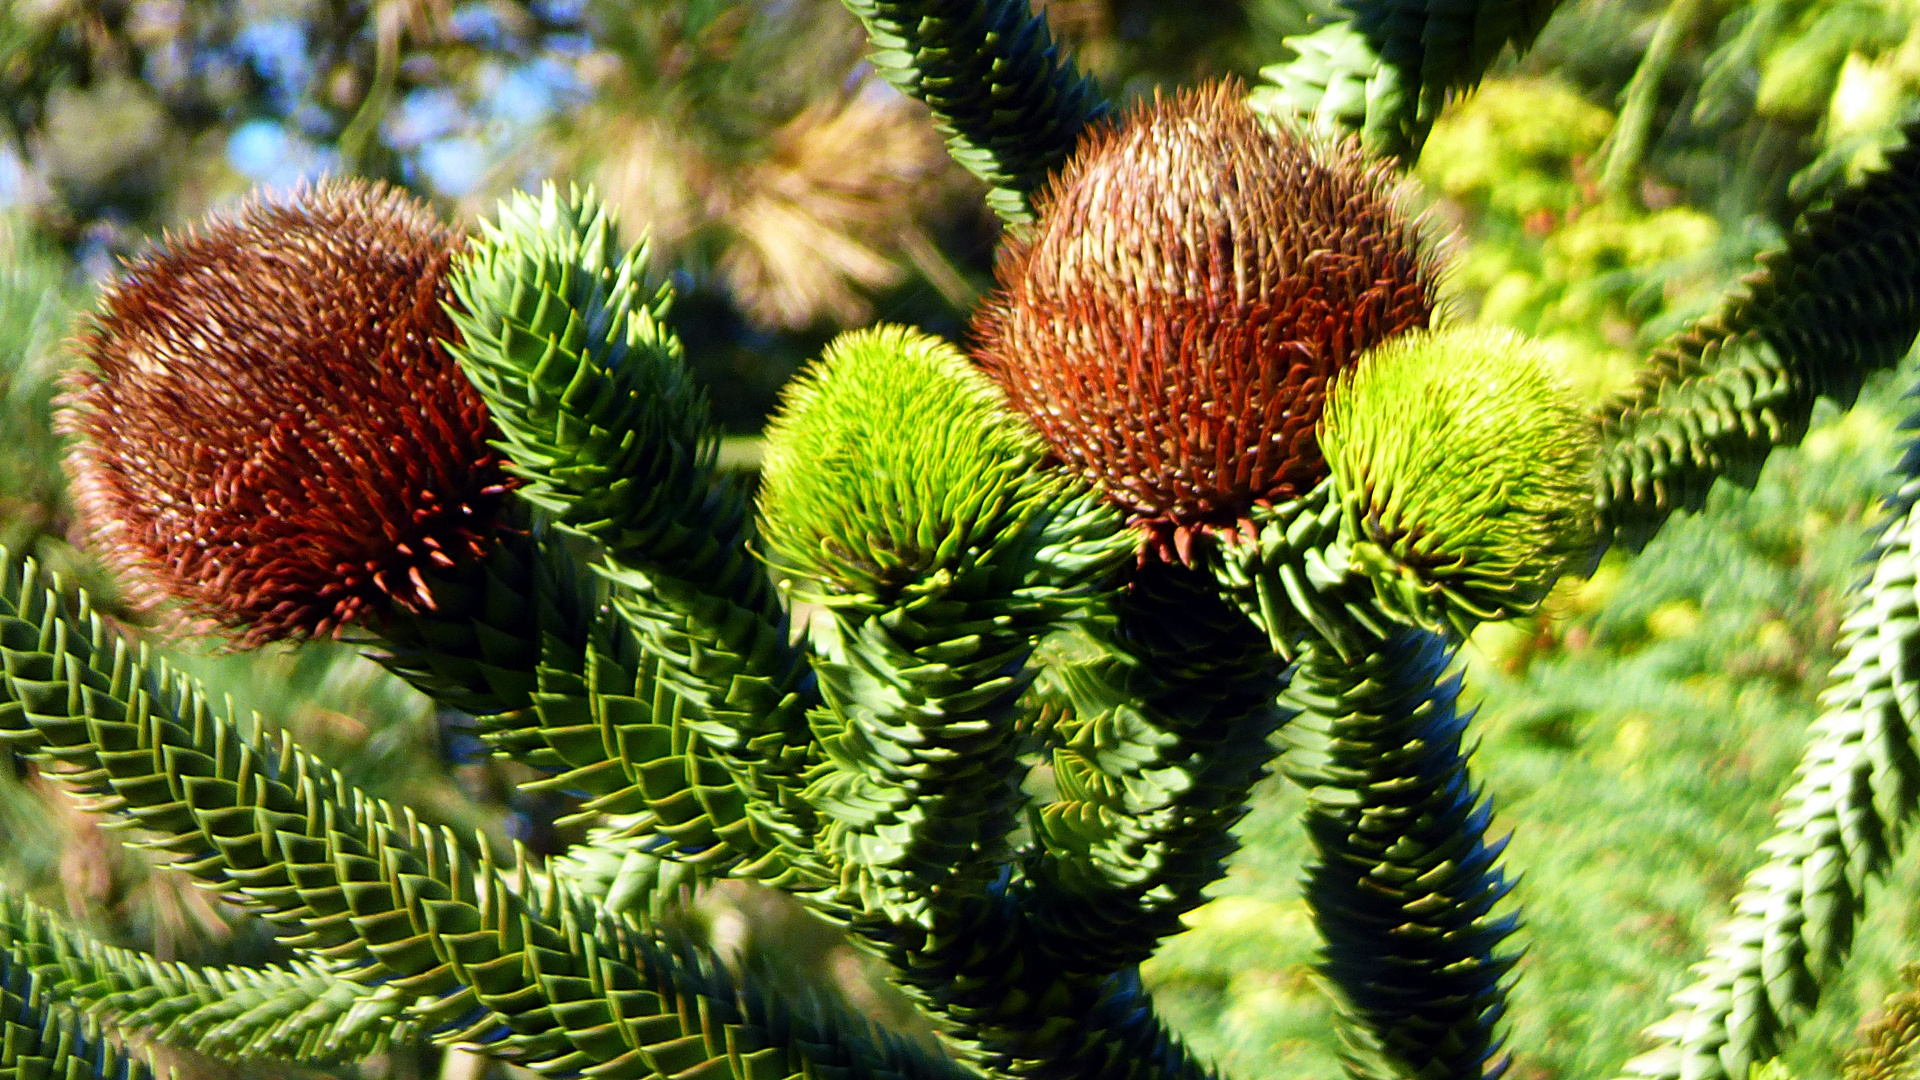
x: 1597, y: 193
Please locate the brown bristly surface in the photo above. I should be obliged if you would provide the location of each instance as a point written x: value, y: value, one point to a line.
x: 1194, y: 282
x: 266, y: 426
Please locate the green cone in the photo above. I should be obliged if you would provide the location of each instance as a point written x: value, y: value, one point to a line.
x: 1465, y: 471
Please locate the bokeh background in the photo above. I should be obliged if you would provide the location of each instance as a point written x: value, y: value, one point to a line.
x: 1596, y: 193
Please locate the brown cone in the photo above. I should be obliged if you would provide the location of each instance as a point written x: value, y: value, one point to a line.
x: 1193, y: 283
x: 267, y: 428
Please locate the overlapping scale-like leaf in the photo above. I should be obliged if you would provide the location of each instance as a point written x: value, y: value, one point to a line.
x: 1405, y: 880
x: 300, y: 1012
x: 497, y: 625
x: 1388, y: 70
x: 1010, y: 104
x: 527, y: 968
x: 907, y: 500
x: 1846, y: 817
x: 1165, y: 708
x: 1837, y: 302
x: 606, y: 427
x: 40, y: 1039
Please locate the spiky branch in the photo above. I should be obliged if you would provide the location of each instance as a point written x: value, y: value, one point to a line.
x: 1836, y: 303
x: 1010, y: 104
x: 1387, y: 70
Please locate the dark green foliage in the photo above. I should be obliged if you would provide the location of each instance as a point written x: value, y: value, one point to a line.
x: 1388, y: 71
x: 477, y: 649
x: 1840, y: 300
x: 602, y: 420
x: 921, y: 782
x: 1295, y: 579
x: 538, y: 972
x: 1164, y: 708
x: 1337, y: 82
x: 1010, y: 105
x: 909, y: 502
x: 41, y: 1040
x: 1406, y: 880
x: 1846, y: 817
x: 1018, y: 1015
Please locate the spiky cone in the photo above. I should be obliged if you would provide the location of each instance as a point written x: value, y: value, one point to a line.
x: 1194, y: 282
x: 1463, y: 467
x: 1838, y: 301
x: 269, y: 434
x: 1164, y: 708
x: 1461, y: 470
x: 1458, y: 492
x: 40, y: 1039
x: 528, y: 969
x: 609, y: 434
x: 905, y: 498
x: 1010, y: 104
x: 1847, y: 817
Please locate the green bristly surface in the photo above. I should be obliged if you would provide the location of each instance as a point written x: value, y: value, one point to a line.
x: 1386, y: 72
x: 905, y: 498
x: 1839, y: 301
x: 604, y: 423
x: 1010, y: 105
x: 1465, y: 468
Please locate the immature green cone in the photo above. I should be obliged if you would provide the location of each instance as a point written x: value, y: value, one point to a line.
x: 1465, y: 471
x: 906, y: 497
x: 888, y: 458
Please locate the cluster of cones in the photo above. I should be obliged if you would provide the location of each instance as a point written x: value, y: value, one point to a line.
x: 270, y: 431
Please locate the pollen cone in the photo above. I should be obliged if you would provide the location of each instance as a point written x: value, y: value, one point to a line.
x: 1193, y: 282
x: 266, y: 428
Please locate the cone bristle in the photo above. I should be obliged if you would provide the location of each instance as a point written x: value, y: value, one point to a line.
x: 267, y: 428
x: 1194, y: 281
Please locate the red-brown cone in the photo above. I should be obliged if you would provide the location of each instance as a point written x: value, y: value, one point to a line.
x: 1193, y: 282
x: 267, y: 429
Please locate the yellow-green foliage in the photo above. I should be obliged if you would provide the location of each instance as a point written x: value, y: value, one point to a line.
x: 1868, y: 86
x: 888, y: 458
x: 1799, y: 71
x: 1550, y: 257
x: 1511, y: 147
x: 1466, y: 468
